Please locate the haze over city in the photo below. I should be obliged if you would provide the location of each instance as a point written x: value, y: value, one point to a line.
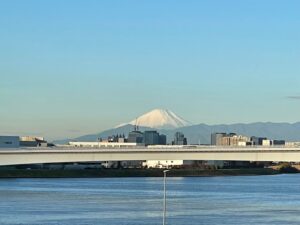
x: 73, y: 68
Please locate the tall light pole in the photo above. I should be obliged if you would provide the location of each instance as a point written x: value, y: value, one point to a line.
x: 165, y: 197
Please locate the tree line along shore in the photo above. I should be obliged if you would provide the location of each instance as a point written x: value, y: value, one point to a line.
x: 98, y: 173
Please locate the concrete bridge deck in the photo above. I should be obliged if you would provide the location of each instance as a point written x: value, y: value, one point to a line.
x: 72, y: 154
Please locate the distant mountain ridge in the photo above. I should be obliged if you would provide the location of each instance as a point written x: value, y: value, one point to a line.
x: 201, y: 133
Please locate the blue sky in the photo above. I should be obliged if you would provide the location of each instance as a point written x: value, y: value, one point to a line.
x: 69, y: 68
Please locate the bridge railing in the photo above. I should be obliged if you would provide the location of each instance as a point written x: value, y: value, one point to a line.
x: 157, y: 148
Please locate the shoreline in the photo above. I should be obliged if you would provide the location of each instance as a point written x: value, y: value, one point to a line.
x: 111, y: 173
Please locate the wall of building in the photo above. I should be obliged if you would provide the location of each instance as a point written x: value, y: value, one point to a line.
x: 31, y: 138
x: 234, y: 140
x: 292, y: 144
x: 151, y: 138
x: 215, y: 137
x: 9, y: 141
x: 135, y: 137
x: 266, y: 142
x: 102, y: 144
x: 166, y: 163
x: 179, y: 139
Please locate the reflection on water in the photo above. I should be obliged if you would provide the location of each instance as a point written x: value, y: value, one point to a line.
x: 112, y: 201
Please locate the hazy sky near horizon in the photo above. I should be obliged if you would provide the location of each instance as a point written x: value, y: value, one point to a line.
x: 69, y: 68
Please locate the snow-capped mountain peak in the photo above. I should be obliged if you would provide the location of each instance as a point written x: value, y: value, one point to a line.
x: 160, y: 118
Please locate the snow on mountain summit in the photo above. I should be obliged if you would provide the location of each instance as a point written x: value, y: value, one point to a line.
x: 160, y: 118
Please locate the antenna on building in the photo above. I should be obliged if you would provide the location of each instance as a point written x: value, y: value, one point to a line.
x: 136, y: 127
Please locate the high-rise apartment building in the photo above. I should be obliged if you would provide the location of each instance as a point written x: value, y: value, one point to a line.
x: 231, y: 139
x: 179, y: 139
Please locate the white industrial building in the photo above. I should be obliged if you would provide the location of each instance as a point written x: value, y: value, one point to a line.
x: 102, y: 144
x: 31, y: 138
x: 33, y: 141
x: 167, y: 163
x: 267, y: 142
x: 292, y: 144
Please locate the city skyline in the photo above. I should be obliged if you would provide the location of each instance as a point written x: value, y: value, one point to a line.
x: 69, y: 69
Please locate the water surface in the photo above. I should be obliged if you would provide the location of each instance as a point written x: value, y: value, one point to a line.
x: 137, y: 201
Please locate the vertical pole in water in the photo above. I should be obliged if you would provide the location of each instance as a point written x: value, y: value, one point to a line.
x: 165, y: 198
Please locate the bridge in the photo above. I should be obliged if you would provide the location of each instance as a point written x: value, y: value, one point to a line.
x: 65, y: 155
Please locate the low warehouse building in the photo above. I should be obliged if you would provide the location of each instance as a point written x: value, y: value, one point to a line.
x: 9, y: 141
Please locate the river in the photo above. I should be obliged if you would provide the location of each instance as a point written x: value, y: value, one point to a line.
x: 136, y: 201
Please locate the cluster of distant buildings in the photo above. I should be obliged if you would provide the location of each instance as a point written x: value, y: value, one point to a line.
x: 232, y: 139
x: 134, y: 138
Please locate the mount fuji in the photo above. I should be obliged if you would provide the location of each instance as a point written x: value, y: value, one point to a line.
x: 159, y: 119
